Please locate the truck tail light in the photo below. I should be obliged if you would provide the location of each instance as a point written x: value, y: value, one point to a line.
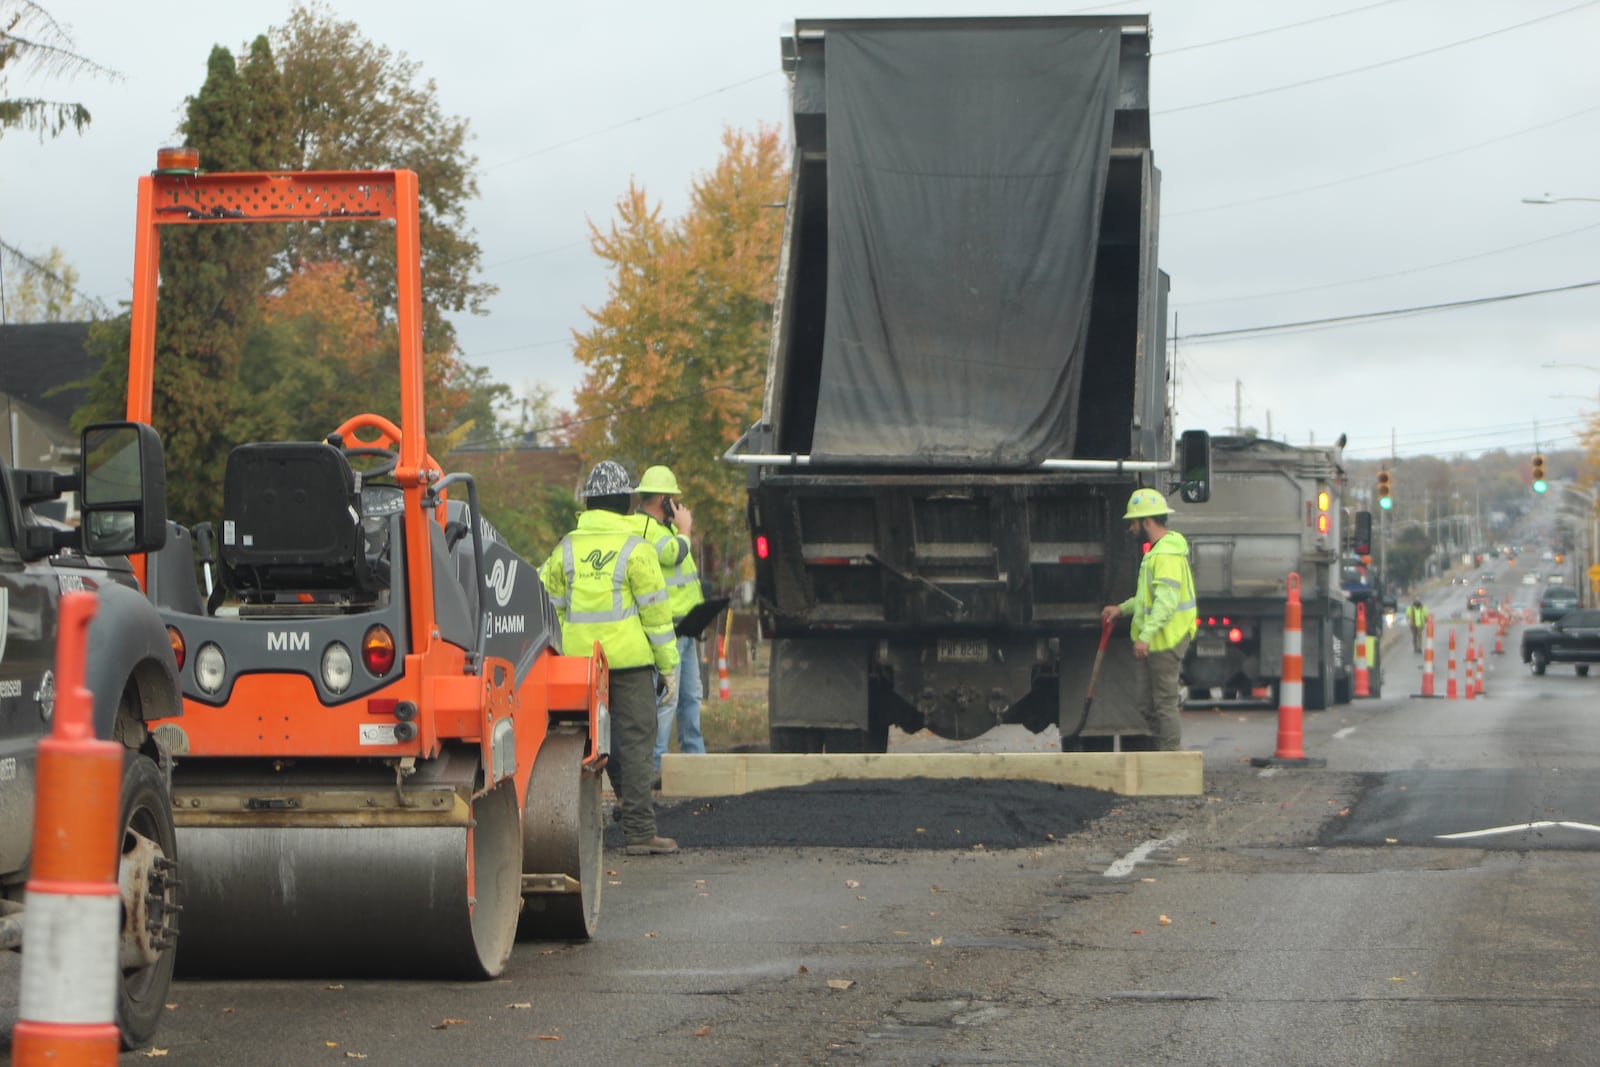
x: 762, y: 549
x: 377, y: 651
x: 1235, y: 635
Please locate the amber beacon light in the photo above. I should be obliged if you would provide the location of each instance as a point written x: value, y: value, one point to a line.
x: 183, y: 160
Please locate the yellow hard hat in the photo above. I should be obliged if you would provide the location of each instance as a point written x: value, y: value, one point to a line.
x: 659, y: 479
x: 1145, y: 504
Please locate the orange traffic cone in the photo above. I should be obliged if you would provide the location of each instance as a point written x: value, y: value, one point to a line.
x: 1291, y: 694
x: 73, y: 919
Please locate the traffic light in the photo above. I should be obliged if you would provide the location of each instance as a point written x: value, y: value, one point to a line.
x: 1383, y: 491
x: 1539, y: 483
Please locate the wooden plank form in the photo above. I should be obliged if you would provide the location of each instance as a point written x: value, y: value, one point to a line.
x: 1128, y: 773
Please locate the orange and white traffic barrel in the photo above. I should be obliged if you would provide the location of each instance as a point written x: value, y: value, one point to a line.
x: 1471, y: 681
x: 72, y: 923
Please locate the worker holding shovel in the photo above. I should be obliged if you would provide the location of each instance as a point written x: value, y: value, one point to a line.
x: 1164, y: 616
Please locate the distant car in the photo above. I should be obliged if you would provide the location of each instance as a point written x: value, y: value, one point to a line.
x: 1556, y: 602
x: 1553, y: 579
x: 1530, y: 579
x: 1574, y: 638
x: 1476, y: 603
x: 1486, y: 576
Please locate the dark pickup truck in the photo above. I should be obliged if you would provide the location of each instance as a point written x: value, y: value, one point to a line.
x: 1573, y: 638
x: 131, y: 672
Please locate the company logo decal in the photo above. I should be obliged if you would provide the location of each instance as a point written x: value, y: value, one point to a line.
x: 597, y: 561
x: 288, y: 641
x: 502, y: 580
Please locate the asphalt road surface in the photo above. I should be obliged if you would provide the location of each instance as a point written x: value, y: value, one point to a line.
x: 1429, y: 897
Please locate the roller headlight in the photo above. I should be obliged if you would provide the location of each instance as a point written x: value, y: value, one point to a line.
x: 210, y: 668
x: 337, y: 667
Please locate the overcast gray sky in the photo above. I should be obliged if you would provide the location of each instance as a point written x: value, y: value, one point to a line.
x: 1321, y: 159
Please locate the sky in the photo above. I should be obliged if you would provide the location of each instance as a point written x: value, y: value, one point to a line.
x: 1320, y: 160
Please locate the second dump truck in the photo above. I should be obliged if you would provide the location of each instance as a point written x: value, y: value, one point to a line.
x: 1275, y: 509
x: 967, y: 379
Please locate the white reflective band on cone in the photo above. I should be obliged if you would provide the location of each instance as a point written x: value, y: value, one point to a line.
x: 1291, y: 642
x: 1289, y: 694
x: 69, y: 970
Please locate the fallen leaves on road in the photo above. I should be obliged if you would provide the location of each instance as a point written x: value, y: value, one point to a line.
x: 1391, y: 840
x: 804, y: 969
x: 851, y: 883
x: 704, y: 1031
x: 443, y: 1024
x: 153, y: 1052
x: 1164, y: 921
x: 548, y: 1037
x: 333, y: 987
x: 652, y: 933
x: 840, y: 983
x: 1136, y: 932
x: 521, y: 1005
x: 355, y: 1055
x: 937, y: 940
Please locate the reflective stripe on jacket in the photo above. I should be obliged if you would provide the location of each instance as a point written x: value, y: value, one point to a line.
x: 606, y: 586
x: 1163, y: 607
x: 677, y: 563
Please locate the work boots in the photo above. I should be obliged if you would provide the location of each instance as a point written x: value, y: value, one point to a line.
x: 655, y: 846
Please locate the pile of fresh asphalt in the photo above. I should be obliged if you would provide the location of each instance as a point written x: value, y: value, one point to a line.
x: 913, y: 813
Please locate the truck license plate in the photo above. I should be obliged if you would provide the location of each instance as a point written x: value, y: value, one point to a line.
x: 975, y: 650
x: 1209, y: 649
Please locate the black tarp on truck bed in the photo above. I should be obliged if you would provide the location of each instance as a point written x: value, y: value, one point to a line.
x: 965, y: 178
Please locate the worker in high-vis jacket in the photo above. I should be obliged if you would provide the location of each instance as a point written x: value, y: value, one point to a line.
x: 667, y: 524
x: 606, y: 586
x: 1164, y: 616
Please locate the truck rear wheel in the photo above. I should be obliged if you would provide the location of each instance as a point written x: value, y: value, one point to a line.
x: 1540, y: 661
x: 147, y: 873
x: 1583, y: 670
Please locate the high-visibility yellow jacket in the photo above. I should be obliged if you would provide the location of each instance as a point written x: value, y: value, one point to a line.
x: 606, y: 586
x: 1417, y: 615
x: 676, y: 556
x: 1163, y: 607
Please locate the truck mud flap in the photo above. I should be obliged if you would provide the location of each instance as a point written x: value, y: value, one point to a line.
x: 1115, y: 709
x: 816, y: 683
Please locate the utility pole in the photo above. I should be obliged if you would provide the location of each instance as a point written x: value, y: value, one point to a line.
x: 1238, y: 408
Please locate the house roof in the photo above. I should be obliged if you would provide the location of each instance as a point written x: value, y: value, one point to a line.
x: 36, y: 358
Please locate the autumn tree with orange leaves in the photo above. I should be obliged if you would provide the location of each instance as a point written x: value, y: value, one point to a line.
x: 675, y: 360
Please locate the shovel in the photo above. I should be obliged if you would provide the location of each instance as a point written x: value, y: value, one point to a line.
x: 1094, y: 676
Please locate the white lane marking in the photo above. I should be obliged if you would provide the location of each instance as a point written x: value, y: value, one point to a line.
x: 1124, y: 866
x: 1340, y: 735
x: 1518, y: 828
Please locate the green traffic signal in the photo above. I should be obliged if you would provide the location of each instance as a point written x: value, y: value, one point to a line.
x: 1540, y: 485
x: 1386, y: 502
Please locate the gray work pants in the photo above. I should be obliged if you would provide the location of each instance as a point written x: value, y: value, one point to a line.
x: 1158, y: 694
x: 633, y: 742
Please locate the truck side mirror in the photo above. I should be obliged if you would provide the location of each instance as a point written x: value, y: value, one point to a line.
x: 122, y: 475
x: 1194, y: 466
x: 1362, y: 539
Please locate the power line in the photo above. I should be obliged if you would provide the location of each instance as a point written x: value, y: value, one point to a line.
x: 1274, y: 29
x: 1395, y: 273
x: 637, y: 118
x: 1380, y: 171
x: 1306, y: 325
x: 1373, y: 66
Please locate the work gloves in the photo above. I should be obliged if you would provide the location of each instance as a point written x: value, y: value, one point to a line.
x: 667, y: 688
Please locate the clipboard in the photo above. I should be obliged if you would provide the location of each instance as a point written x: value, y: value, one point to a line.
x: 694, y: 623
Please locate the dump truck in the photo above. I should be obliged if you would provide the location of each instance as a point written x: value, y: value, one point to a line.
x: 386, y: 764
x: 967, y: 379
x: 130, y: 672
x: 1275, y: 509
